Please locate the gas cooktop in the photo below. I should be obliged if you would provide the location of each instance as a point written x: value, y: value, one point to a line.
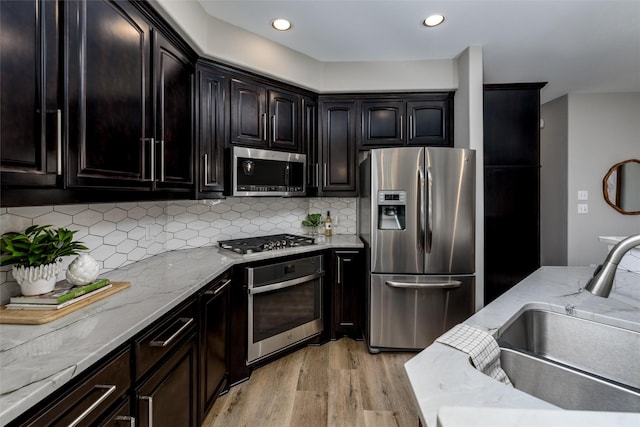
x: 266, y: 243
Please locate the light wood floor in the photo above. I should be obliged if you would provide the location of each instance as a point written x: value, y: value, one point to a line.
x: 337, y: 384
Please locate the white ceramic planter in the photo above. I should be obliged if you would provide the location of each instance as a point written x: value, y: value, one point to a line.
x: 37, y: 280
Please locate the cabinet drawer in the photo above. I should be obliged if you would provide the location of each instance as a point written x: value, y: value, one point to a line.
x: 87, y: 402
x: 163, y: 338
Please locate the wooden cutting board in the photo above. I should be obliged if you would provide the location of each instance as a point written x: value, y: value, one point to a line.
x: 39, y: 317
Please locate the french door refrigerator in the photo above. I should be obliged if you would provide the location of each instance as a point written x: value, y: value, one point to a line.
x: 417, y: 221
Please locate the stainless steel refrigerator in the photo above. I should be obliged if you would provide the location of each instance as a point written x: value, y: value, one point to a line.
x: 417, y: 220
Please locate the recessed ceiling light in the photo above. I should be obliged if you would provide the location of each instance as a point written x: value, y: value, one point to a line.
x: 433, y: 20
x: 281, y: 24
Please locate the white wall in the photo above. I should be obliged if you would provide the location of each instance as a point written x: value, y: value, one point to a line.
x: 553, y: 182
x: 603, y: 129
x: 229, y: 44
x: 468, y: 133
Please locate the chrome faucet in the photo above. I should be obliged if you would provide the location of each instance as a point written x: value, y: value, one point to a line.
x: 602, y: 280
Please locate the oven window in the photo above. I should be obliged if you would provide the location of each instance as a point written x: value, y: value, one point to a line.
x: 278, y: 311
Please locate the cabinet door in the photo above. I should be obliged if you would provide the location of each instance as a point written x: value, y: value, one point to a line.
x: 30, y: 125
x: 173, y: 74
x: 109, y: 91
x: 214, y: 309
x: 169, y: 396
x: 91, y: 400
x: 512, y: 125
x: 212, y: 87
x: 283, y: 121
x: 310, y: 142
x: 248, y: 115
x: 511, y: 209
x: 383, y: 123
x: 430, y: 122
x: 338, y: 147
x: 349, y: 298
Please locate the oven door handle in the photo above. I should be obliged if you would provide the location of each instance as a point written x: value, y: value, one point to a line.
x: 282, y: 285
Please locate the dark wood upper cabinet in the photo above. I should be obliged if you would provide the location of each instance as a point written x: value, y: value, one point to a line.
x: 383, y: 123
x: 338, y: 140
x: 109, y: 115
x: 512, y: 124
x: 212, y: 129
x: 408, y: 120
x: 174, y: 111
x: 309, y: 136
x: 264, y: 117
x: 283, y: 120
x: 430, y: 122
x: 130, y: 104
x: 248, y: 114
x: 30, y: 113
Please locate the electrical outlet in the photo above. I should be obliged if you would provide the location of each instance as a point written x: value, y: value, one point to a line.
x: 583, y: 208
x: 583, y: 195
x: 147, y: 232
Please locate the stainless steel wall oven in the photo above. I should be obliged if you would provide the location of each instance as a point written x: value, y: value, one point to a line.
x: 285, y: 305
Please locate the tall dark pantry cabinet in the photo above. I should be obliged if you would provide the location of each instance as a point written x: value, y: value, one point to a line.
x: 511, y: 184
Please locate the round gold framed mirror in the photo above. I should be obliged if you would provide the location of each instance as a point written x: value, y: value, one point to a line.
x: 621, y: 187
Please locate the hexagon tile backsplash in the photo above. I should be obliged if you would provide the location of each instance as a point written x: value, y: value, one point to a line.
x: 118, y: 234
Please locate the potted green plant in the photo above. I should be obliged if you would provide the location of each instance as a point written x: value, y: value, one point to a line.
x: 313, y: 221
x: 36, y: 256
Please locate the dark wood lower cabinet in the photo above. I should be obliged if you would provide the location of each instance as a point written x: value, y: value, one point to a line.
x: 169, y: 396
x: 94, y: 399
x: 214, y: 333
x: 348, y: 293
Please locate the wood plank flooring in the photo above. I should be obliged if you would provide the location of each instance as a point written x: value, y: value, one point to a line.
x: 337, y: 384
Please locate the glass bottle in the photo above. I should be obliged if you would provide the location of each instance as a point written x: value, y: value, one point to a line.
x: 328, y: 224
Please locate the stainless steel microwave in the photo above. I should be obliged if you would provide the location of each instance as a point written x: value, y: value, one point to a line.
x: 267, y: 173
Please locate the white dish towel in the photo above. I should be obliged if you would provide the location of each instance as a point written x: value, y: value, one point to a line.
x: 481, y: 347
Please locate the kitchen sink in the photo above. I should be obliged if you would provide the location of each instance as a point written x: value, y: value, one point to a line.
x: 565, y: 387
x: 571, y: 362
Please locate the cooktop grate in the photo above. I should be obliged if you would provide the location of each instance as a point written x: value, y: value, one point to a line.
x: 266, y: 243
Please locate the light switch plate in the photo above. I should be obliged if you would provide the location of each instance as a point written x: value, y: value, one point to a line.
x: 583, y: 195
x: 583, y: 208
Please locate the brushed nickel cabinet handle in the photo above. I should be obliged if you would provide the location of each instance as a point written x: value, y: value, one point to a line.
x: 218, y: 289
x: 186, y: 321
x: 264, y: 126
x: 59, y: 141
x: 108, y: 389
x: 161, y: 160
x: 149, y: 400
x: 324, y: 178
x: 273, y: 128
x: 410, y: 127
x: 206, y: 170
x: 126, y: 418
x: 401, y: 133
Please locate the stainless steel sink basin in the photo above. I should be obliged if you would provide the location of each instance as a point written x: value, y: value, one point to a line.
x: 571, y: 362
x: 603, y: 350
x: 565, y: 387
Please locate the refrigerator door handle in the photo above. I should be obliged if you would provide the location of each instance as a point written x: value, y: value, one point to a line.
x: 431, y: 285
x: 429, y: 211
x: 421, y: 213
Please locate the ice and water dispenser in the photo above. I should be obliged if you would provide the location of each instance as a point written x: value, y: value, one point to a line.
x: 392, y: 207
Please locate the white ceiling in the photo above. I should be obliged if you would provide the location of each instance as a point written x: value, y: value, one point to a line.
x: 575, y: 45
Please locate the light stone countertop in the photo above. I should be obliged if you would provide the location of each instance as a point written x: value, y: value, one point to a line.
x: 441, y: 376
x: 35, y: 360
